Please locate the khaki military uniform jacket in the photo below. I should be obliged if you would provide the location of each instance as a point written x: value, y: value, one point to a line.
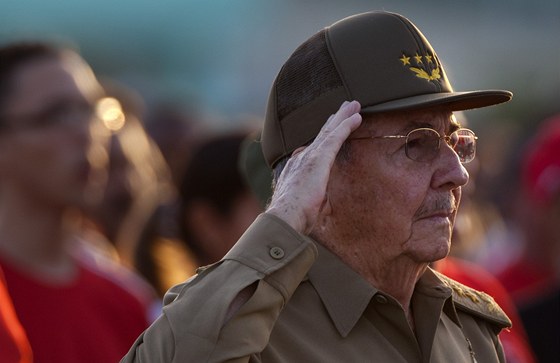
x: 306, y: 305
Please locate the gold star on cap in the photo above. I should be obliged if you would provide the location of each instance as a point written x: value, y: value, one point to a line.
x: 428, y: 73
x: 405, y: 60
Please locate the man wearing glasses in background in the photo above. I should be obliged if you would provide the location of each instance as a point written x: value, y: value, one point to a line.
x: 52, y: 162
x: 337, y: 268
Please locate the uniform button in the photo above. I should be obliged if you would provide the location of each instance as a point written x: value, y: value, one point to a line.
x: 380, y: 299
x: 276, y: 253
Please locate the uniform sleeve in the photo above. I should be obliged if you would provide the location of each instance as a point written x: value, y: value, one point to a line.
x: 203, y: 320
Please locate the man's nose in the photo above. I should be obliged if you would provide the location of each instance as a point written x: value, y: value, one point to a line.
x: 449, y: 173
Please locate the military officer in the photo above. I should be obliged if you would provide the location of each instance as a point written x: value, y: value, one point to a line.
x: 365, y: 197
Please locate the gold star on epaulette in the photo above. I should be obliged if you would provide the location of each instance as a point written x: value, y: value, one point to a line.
x: 405, y: 60
x: 418, y: 58
x: 429, y: 58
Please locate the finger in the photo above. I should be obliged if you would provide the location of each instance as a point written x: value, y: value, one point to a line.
x: 332, y: 135
x: 346, y: 110
x: 300, y: 194
x: 337, y: 129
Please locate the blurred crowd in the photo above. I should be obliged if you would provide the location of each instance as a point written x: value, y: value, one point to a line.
x: 106, y: 203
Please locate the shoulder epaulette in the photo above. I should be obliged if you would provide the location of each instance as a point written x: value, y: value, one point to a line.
x: 476, y: 302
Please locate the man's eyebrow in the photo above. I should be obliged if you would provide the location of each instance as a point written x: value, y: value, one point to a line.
x: 454, y: 124
x: 414, y: 124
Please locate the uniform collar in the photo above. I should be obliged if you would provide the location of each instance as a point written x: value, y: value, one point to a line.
x: 344, y: 292
x: 346, y: 295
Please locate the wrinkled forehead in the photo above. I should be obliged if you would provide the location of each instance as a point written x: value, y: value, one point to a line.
x: 439, y: 119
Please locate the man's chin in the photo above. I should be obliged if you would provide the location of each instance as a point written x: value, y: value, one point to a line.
x: 428, y: 252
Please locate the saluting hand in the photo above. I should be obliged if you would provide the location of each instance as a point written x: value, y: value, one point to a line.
x: 300, y: 193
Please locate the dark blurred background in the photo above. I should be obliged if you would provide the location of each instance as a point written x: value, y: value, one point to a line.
x: 216, y: 59
x: 220, y: 56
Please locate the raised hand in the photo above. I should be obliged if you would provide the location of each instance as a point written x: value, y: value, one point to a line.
x: 300, y: 193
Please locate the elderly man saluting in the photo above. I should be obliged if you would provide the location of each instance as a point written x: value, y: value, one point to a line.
x: 336, y: 269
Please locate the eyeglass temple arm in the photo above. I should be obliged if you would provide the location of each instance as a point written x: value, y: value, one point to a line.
x: 378, y: 137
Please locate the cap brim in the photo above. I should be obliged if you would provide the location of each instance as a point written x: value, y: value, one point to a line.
x: 455, y: 101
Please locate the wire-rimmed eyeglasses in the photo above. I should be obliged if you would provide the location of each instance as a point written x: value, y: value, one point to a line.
x: 423, y: 144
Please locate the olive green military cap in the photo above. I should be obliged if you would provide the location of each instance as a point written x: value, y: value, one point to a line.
x: 377, y: 58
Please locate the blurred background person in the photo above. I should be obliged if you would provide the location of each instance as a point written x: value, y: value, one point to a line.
x: 53, y: 161
x: 215, y: 206
x: 536, y: 269
x: 138, y: 177
x: 533, y: 277
x: 174, y: 130
x: 138, y: 182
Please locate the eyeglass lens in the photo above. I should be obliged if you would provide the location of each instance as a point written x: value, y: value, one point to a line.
x: 424, y: 144
x: 464, y: 144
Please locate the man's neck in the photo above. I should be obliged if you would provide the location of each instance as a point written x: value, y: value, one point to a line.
x: 396, y: 277
x: 36, y: 241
